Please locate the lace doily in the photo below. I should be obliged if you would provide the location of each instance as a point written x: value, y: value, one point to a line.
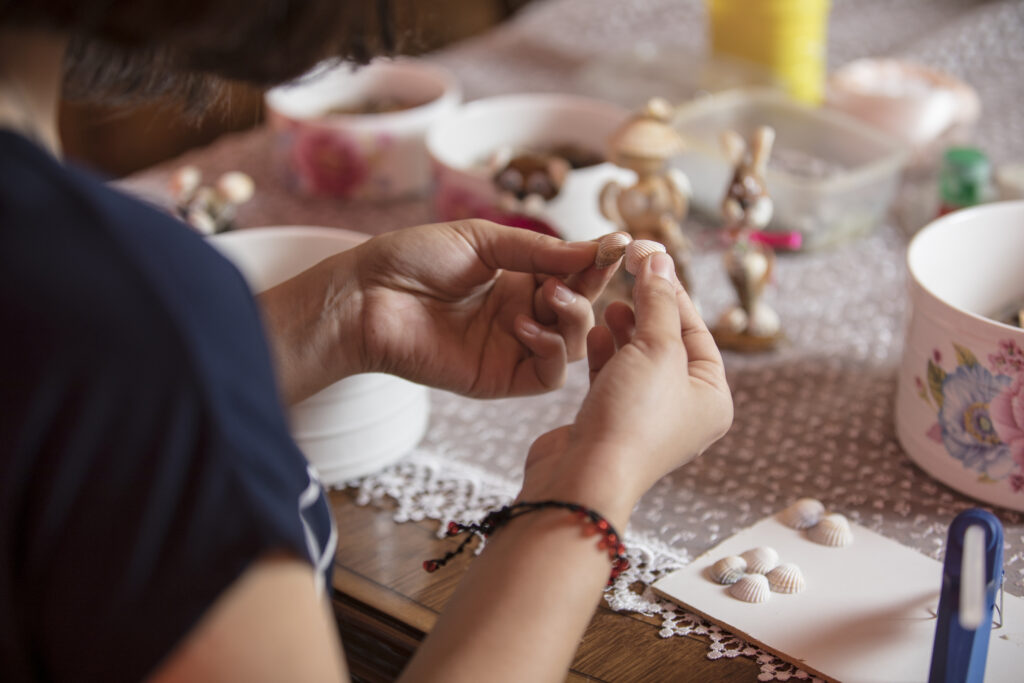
x: 813, y: 419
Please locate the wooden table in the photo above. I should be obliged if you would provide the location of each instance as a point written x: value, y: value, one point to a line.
x: 385, y: 604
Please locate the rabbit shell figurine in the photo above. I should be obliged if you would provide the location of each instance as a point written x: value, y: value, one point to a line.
x: 750, y: 325
x: 654, y: 207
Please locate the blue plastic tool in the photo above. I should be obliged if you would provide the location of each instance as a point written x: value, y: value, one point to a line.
x: 972, y: 577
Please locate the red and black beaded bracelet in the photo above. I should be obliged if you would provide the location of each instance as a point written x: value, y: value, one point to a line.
x: 593, y: 522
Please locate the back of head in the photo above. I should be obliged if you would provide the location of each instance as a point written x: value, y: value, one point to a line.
x: 133, y: 49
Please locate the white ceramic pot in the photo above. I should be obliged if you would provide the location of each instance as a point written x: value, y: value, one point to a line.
x: 960, y: 402
x: 359, y: 155
x: 362, y: 423
x: 461, y: 145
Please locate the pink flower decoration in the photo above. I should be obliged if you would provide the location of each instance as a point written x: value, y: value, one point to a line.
x: 328, y: 162
x: 1007, y: 413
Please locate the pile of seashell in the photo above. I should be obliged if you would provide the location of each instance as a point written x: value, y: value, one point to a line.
x: 209, y: 209
x: 757, y: 573
x: 808, y: 514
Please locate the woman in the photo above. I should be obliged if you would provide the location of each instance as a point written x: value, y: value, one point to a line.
x: 156, y: 520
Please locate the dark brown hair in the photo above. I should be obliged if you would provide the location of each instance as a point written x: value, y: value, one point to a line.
x: 132, y: 49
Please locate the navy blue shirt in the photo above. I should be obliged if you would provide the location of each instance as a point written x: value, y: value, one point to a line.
x: 145, y: 460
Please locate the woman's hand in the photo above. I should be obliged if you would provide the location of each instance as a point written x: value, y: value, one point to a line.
x: 471, y: 306
x: 658, y: 398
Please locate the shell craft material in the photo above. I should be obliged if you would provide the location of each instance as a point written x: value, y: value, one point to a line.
x: 786, y: 578
x: 751, y: 588
x: 729, y: 569
x: 803, y: 514
x: 610, y: 248
x: 761, y: 560
x: 638, y: 251
x: 833, y: 530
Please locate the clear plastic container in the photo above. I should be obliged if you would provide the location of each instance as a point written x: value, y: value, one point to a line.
x: 831, y: 177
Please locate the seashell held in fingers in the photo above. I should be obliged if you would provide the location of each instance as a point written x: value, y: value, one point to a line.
x: 751, y: 588
x: 610, y: 248
x: 833, y: 530
x: 729, y: 570
x: 803, y: 514
x: 638, y: 251
x: 786, y: 578
x: 761, y: 560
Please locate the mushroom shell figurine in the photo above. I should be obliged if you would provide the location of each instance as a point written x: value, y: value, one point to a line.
x: 655, y: 206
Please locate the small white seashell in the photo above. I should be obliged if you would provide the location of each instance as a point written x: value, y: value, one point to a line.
x: 235, y: 187
x: 786, y: 578
x: 201, y: 221
x: 761, y: 560
x: 734, y: 319
x: 729, y: 569
x: 803, y: 514
x: 184, y: 182
x: 833, y: 530
x: 764, y: 321
x: 751, y: 588
x: 610, y: 248
x: 638, y: 251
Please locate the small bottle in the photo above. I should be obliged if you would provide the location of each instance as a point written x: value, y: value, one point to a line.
x: 786, y: 39
x: 964, y: 180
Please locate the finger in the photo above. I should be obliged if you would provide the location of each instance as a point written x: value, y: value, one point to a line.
x: 543, y: 310
x: 588, y: 284
x: 574, y: 316
x: 700, y: 345
x: 525, y: 251
x: 545, y: 369
x: 621, y: 322
x: 658, y: 321
x: 600, y: 349
x: 592, y: 281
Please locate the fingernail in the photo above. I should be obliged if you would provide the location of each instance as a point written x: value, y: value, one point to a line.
x: 529, y: 327
x: 563, y: 294
x: 663, y: 266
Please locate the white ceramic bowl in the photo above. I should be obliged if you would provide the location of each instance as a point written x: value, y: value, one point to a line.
x: 960, y: 402
x: 360, y: 156
x: 461, y: 145
x: 362, y: 423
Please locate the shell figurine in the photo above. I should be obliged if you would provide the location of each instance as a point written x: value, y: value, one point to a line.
x: 638, y: 251
x: 786, y: 578
x: 751, y: 588
x: 611, y: 247
x: 729, y: 569
x: 761, y: 560
x: 803, y: 514
x: 833, y: 530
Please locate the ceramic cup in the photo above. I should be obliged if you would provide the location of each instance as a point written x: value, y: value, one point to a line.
x: 461, y: 146
x: 362, y: 423
x: 960, y: 401
x: 326, y: 143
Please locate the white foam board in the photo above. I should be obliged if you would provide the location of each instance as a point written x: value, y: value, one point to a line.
x: 868, y: 612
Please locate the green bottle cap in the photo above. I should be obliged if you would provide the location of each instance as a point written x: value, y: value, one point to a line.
x: 965, y: 176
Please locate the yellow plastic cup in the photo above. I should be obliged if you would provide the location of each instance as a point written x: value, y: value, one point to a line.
x: 786, y: 37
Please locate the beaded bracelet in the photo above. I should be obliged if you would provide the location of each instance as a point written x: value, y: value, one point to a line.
x: 593, y: 523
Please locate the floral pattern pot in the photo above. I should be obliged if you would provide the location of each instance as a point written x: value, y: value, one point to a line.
x: 960, y: 402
